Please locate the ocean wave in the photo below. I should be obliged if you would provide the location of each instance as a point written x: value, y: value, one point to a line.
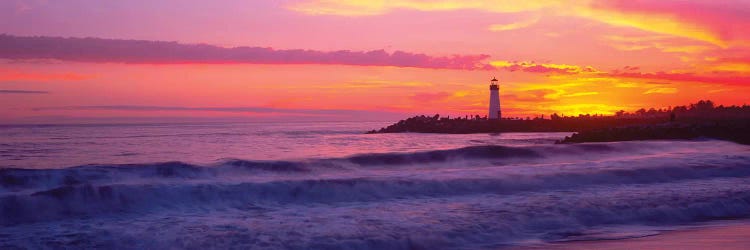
x: 70, y: 195
x: 465, y: 221
x: 473, y: 152
x: 32, y: 195
x: 15, y: 179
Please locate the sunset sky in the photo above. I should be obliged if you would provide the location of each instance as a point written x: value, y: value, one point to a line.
x: 92, y: 60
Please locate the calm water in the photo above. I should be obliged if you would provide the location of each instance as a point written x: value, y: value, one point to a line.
x: 71, y: 145
x: 327, y: 185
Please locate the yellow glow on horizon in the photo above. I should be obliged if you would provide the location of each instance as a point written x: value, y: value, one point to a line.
x: 586, y: 108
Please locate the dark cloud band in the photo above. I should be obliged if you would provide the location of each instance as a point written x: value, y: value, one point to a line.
x: 20, y: 91
x: 99, y: 50
x: 216, y: 109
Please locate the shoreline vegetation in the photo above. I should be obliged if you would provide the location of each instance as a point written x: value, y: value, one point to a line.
x: 699, y: 120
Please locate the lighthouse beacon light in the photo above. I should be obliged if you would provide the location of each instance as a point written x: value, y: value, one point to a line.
x: 494, y: 110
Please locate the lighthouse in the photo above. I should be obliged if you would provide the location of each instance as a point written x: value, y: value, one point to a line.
x: 494, y: 100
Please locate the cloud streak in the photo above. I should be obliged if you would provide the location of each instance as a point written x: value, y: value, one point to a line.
x: 139, y: 108
x: 369, y: 8
x: 514, y: 26
x: 21, y: 91
x: 97, y: 50
x: 661, y: 91
x: 714, y: 78
x: 10, y: 75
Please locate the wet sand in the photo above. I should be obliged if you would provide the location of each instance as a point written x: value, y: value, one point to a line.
x: 729, y: 237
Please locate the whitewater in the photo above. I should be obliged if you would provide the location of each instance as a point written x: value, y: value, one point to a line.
x: 329, y: 186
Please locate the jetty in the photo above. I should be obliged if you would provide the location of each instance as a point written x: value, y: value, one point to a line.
x: 699, y: 120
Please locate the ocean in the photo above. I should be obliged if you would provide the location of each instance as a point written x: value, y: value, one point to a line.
x: 328, y: 185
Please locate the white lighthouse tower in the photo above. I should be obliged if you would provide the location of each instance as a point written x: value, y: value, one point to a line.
x: 494, y: 100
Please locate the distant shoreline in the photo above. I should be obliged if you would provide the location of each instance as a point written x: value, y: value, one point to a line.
x: 737, y: 132
x: 441, y: 125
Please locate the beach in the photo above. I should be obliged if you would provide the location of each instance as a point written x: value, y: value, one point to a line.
x: 734, y: 235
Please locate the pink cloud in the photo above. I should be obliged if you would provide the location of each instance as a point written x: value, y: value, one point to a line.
x: 728, y: 19
x: 97, y: 50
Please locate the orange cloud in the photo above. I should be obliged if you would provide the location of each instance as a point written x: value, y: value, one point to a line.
x: 661, y: 91
x: 582, y: 94
x: 711, y: 78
